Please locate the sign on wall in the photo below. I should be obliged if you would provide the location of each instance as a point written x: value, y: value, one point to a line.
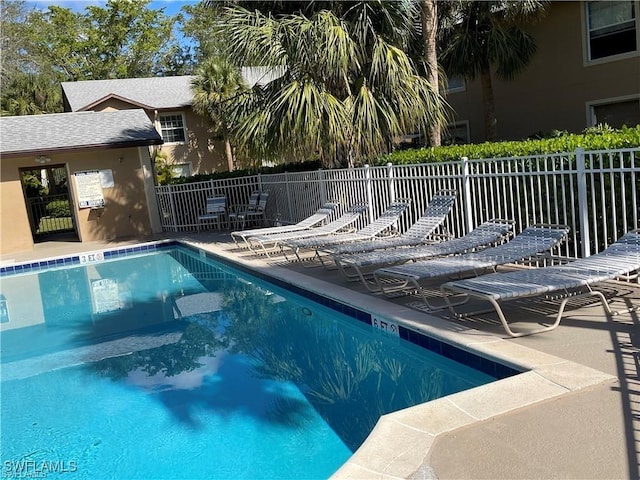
x: 89, y: 189
x: 106, y: 178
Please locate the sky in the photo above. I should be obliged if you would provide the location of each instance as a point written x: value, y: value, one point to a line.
x: 171, y: 7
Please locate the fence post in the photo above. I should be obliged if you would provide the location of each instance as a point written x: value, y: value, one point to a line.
x: 581, y: 179
x: 289, y: 202
x: 466, y: 194
x: 174, y: 220
x: 323, y: 188
x: 392, y: 182
x: 367, y: 176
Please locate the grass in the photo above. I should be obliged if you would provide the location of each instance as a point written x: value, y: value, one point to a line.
x: 54, y: 224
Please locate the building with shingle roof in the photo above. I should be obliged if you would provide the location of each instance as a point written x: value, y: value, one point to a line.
x: 189, y: 144
x: 94, y: 165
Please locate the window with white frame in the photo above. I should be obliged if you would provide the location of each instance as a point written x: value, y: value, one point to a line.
x: 612, y: 28
x: 172, y: 127
x: 181, y: 169
x: 616, y: 113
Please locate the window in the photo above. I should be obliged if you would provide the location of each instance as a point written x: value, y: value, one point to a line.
x: 611, y: 28
x: 456, y: 134
x: 455, y: 84
x: 616, y: 113
x: 181, y: 169
x: 172, y: 128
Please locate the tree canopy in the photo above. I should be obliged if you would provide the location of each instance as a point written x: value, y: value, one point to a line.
x: 123, y: 39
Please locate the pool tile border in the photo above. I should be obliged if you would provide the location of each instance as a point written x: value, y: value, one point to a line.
x: 80, y: 259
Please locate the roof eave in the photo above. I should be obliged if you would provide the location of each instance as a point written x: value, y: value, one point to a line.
x: 113, y: 96
x: 101, y: 146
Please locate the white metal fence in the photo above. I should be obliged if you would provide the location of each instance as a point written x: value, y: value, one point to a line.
x: 596, y: 193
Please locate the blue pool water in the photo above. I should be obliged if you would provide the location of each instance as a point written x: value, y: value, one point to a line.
x: 168, y: 365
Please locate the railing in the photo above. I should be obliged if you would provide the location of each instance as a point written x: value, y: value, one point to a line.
x: 596, y: 193
x: 45, y: 224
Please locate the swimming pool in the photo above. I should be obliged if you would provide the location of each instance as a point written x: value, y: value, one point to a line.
x: 166, y: 364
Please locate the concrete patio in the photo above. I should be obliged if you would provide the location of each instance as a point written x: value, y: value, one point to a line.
x: 574, y: 413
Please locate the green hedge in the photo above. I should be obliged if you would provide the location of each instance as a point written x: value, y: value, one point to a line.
x: 597, y: 138
x: 58, y: 209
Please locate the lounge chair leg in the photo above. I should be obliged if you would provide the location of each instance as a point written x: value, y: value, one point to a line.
x: 505, y: 324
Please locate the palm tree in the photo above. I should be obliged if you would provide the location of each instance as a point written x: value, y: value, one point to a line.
x: 216, y: 86
x: 429, y: 23
x: 346, y: 90
x: 31, y: 94
x: 485, y: 35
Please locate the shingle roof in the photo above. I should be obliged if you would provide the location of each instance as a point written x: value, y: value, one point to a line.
x: 153, y: 92
x: 159, y: 93
x: 31, y: 134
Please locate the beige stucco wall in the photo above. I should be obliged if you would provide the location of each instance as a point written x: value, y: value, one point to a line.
x: 15, y: 233
x: 125, y: 214
x: 204, y: 154
x: 553, y: 91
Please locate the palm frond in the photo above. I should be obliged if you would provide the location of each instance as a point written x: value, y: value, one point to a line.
x: 510, y: 50
x: 252, y: 38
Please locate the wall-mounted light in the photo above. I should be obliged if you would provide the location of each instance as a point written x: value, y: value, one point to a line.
x: 42, y: 160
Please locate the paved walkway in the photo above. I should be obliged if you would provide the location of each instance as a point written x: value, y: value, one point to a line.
x: 574, y: 414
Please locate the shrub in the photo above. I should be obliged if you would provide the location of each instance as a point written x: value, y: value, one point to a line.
x: 601, y: 137
x: 58, y: 208
x: 594, y: 138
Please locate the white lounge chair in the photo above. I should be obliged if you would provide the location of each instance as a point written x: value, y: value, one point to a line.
x: 381, y: 224
x: 408, y: 278
x: 360, y: 266
x: 572, y: 280
x: 268, y: 244
x: 321, y: 215
x: 419, y: 233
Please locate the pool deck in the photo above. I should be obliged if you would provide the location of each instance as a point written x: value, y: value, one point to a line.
x: 574, y: 413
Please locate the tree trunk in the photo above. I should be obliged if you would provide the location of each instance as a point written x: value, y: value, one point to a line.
x: 490, y: 120
x: 229, y: 153
x: 429, y: 31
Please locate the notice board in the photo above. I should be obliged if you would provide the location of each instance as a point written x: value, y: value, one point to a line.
x: 89, y: 189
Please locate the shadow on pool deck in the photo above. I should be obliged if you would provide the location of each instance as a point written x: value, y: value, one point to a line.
x: 590, y: 431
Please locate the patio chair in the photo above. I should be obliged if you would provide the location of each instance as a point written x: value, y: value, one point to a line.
x: 419, y: 233
x: 532, y: 242
x: 574, y: 279
x: 320, y: 216
x: 380, y: 225
x: 216, y: 209
x: 255, y: 209
x: 268, y: 244
x: 360, y: 266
